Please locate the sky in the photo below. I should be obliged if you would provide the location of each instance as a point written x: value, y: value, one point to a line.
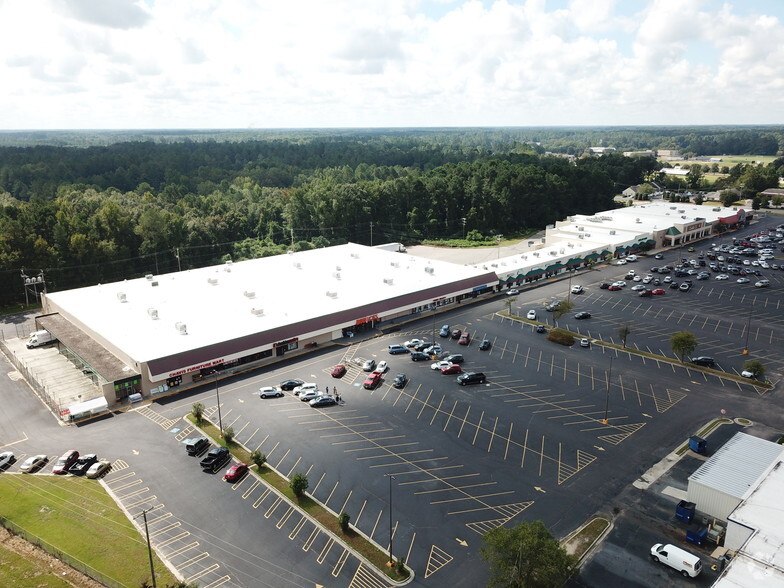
x: 242, y: 64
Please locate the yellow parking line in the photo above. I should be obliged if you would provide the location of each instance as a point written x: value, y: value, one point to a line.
x: 173, y: 539
x: 325, y: 551
x: 340, y: 563
x: 309, y: 541
x: 182, y: 550
x: 219, y: 582
x: 193, y: 560
x: 274, y: 505
x: 251, y: 489
x: 261, y: 498
x: 295, y: 531
x: 174, y: 525
x: 204, y: 572
x: 142, y: 501
x: 285, y: 517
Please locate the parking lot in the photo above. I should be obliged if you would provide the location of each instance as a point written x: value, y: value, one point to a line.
x: 555, y: 433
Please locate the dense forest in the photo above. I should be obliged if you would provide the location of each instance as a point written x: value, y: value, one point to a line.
x: 158, y: 202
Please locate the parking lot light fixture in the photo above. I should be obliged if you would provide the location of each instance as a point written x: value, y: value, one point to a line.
x: 748, y: 329
x: 391, y: 477
x: 217, y: 394
x: 607, y: 398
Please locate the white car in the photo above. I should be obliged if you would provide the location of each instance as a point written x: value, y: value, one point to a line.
x: 270, y: 392
x: 667, y: 279
x: 7, y: 458
x: 309, y: 395
x: 305, y: 388
x: 33, y: 463
x: 414, y: 343
x: 638, y: 287
x: 620, y: 284
x: 382, y: 367
x: 531, y: 315
x: 433, y: 349
x: 722, y: 277
x: 747, y: 374
x: 743, y: 280
x: 585, y: 342
x: 577, y: 289
x: 631, y: 258
x: 640, y: 279
x: 620, y: 262
x: 762, y: 284
x: 512, y: 292
x: 439, y: 365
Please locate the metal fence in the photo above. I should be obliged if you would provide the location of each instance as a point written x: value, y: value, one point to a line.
x: 61, y: 555
x: 39, y: 389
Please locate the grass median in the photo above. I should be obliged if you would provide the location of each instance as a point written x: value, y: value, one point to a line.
x: 77, y: 517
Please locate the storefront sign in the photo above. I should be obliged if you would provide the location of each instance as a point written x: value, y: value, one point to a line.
x: 285, y: 343
x: 367, y: 319
x: 202, y: 366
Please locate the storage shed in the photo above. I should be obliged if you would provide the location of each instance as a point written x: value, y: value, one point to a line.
x: 732, y: 473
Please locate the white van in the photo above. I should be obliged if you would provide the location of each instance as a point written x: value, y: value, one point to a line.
x: 687, y: 564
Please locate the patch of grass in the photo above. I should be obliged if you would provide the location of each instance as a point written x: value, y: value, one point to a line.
x: 326, y: 518
x: 580, y: 542
x: 19, y: 572
x: 79, y: 518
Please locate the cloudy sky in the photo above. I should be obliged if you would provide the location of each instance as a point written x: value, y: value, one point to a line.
x: 144, y: 64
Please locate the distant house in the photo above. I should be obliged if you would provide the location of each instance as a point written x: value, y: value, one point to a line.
x: 601, y: 150
x: 643, y: 153
x: 771, y: 192
x: 675, y: 171
x: 631, y: 192
x: 669, y: 154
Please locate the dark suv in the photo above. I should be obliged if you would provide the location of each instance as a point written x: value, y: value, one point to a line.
x: 454, y: 358
x: 703, y: 361
x: 196, y: 446
x: 471, y: 378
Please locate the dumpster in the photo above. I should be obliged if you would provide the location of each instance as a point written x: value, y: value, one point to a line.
x: 697, y: 444
x: 696, y: 535
x: 685, y: 511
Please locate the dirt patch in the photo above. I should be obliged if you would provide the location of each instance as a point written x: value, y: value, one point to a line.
x: 45, y: 561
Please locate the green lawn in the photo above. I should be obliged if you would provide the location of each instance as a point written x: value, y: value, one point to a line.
x: 78, y: 517
x: 22, y: 573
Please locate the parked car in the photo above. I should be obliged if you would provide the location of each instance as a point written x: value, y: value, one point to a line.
x: 373, y: 380
x: 531, y: 315
x: 81, y: 465
x: 414, y: 343
x: 658, y: 256
x: 400, y: 380
x: 604, y: 286
x: 577, y: 289
x: 638, y: 288
x: 289, y: 385
x: 33, y: 464
x: 484, y: 345
x: 270, y: 392
x: 382, y: 367
x: 419, y: 356
x: 679, y: 559
x: 338, y: 371
x: 452, y: 368
x: 196, y: 445
x: 454, y: 358
x: 439, y: 365
x: 465, y: 338
x: 456, y: 333
x: 323, y: 400
x: 685, y: 287
x: 703, y: 360
x: 747, y: 374
x: 541, y: 329
x: 659, y: 291
x: 398, y: 349
x: 722, y: 277
x: 235, y: 472
x: 674, y: 285
x: 743, y: 280
x: 582, y: 315
x: 310, y: 394
x: 471, y: 378
x: 614, y: 288
x: 98, y: 469
x: 7, y: 458
x: 444, y: 332
x: 433, y: 349
x: 369, y: 365
x: 585, y: 342
x: 552, y: 305
x: 645, y: 293
x: 66, y: 460
x: 305, y: 387
x: 762, y: 284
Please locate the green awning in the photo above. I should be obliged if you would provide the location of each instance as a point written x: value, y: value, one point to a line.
x: 593, y: 256
x: 534, y: 272
x: 554, y: 267
x: 574, y: 261
x: 672, y: 231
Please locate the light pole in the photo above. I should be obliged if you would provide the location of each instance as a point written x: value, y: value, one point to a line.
x: 748, y: 330
x: 391, y: 477
x: 569, y: 293
x: 149, y: 549
x: 217, y: 393
x: 607, y: 398
x: 463, y: 220
x: 499, y: 238
x: 433, y: 338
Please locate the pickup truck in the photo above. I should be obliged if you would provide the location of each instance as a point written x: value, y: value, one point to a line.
x: 214, y: 460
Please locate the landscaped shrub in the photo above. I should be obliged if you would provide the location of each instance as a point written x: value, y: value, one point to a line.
x: 561, y: 337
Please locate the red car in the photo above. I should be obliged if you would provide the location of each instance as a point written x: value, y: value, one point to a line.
x: 659, y: 291
x: 452, y: 369
x: 236, y: 472
x: 338, y: 371
x: 373, y: 380
x: 65, y: 462
x: 614, y: 288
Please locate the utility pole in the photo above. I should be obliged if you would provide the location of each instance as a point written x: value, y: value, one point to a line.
x: 149, y: 549
x: 217, y: 394
x: 177, y: 255
x: 31, y: 284
x: 463, y: 220
x: 371, y: 233
x: 391, y: 477
x: 607, y: 399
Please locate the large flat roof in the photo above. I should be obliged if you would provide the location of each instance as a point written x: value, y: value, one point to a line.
x: 146, y: 318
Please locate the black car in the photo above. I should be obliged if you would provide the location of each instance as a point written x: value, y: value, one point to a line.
x: 674, y: 285
x: 83, y: 464
x: 484, y: 345
x: 471, y: 378
x: 703, y: 360
x: 289, y: 385
x: 582, y: 315
x: 540, y: 329
x: 456, y: 333
x: 444, y: 332
x: 400, y: 380
x: 454, y: 358
x: 419, y: 356
x: 604, y: 285
x: 196, y: 445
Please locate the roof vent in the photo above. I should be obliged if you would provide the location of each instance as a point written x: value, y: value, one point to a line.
x: 338, y: 268
x: 154, y: 283
x: 637, y: 220
x: 429, y: 269
x: 336, y: 275
x: 212, y: 281
x: 388, y: 281
x: 149, y: 277
x: 227, y: 265
x: 121, y: 297
x: 257, y: 311
x: 182, y: 328
x: 612, y: 232
x: 249, y: 294
x: 332, y: 294
x: 297, y: 265
x: 394, y: 264
x: 153, y: 313
x: 355, y: 255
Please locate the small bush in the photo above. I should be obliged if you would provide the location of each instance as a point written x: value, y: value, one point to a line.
x: 561, y: 337
x: 228, y: 435
x: 197, y: 410
x: 258, y: 458
x: 298, y: 484
x: 343, y: 520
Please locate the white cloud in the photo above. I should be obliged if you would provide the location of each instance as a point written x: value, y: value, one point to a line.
x: 235, y: 63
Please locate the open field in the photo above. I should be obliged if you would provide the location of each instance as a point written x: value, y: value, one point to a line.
x: 78, y: 517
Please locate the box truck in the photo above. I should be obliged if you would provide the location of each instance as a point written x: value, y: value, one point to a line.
x: 39, y: 338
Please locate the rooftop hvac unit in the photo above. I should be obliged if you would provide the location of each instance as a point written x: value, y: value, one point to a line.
x: 673, y: 207
x: 581, y: 236
x: 257, y: 311
x: 149, y: 277
x: 332, y: 294
x: 182, y: 328
x: 637, y: 220
x: 355, y: 255
x: 536, y: 253
x: 121, y: 297
x: 249, y: 294
x: 580, y: 228
x: 429, y: 269
x: 336, y: 275
x: 154, y: 283
x: 338, y: 268
x: 297, y: 265
x: 388, y: 281
x: 530, y: 243
x: 587, y: 234
x: 562, y: 250
x: 394, y: 264
x: 570, y: 245
x: 227, y: 266
x: 152, y: 313
x: 717, y: 209
x: 212, y: 281
x: 612, y: 232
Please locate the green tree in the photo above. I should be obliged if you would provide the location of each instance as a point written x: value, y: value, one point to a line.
x: 562, y: 308
x: 298, y: 484
x: 343, y: 520
x: 623, y: 332
x: 258, y: 458
x: 228, y: 435
x: 197, y: 410
x: 755, y: 367
x: 527, y: 556
x: 683, y: 343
